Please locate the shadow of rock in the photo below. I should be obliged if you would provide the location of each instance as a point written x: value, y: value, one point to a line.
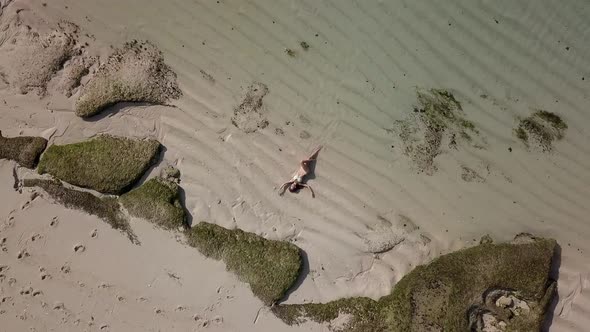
x: 114, y: 109
x: 554, y: 275
x: 189, y: 216
x: 149, y: 171
x: 303, y: 273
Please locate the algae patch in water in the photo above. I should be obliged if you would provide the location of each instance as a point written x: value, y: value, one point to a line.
x: 541, y: 129
x: 437, y: 119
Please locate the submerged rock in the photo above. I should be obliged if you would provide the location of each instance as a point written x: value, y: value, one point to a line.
x: 31, y: 58
x: 269, y: 267
x: 25, y: 150
x: 250, y: 116
x: 490, y: 287
x: 106, y: 164
x: 135, y: 73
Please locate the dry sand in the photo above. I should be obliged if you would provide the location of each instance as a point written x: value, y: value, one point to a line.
x: 502, y: 60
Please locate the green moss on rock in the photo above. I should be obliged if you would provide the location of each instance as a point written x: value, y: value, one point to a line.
x: 364, y: 314
x: 135, y: 73
x: 106, y: 164
x: 106, y: 208
x: 269, y: 267
x: 157, y: 201
x: 25, y: 150
x: 451, y: 293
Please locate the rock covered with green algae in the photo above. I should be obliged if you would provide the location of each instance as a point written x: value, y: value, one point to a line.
x: 25, y: 150
x: 134, y: 73
x: 157, y: 201
x: 270, y: 267
x: 107, y: 164
x: 490, y: 287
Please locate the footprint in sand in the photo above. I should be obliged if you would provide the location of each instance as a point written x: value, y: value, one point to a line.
x: 65, y: 269
x: 79, y: 248
x: 104, y: 327
x: 10, y: 221
x: 26, y: 291
x: 204, y: 322
x: 201, y: 322
x: 23, y: 316
x: 3, y: 244
x: 44, y: 276
x: 35, y: 237
x: 30, y: 291
x: 28, y: 202
x: 54, y: 221
x: 11, y: 282
x: 25, y: 205
x: 94, y: 233
x: 22, y: 254
x: 58, y: 305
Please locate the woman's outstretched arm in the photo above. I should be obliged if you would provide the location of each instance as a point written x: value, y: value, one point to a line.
x: 284, y: 187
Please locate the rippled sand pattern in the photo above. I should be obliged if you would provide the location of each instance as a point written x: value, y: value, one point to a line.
x: 357, y: 76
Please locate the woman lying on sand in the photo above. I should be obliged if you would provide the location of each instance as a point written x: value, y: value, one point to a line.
x: 298, y: 178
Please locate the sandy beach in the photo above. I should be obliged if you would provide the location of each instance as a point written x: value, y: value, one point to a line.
x: 264, y: 83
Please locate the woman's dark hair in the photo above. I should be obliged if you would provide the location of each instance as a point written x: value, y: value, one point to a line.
x: 293, y: 188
